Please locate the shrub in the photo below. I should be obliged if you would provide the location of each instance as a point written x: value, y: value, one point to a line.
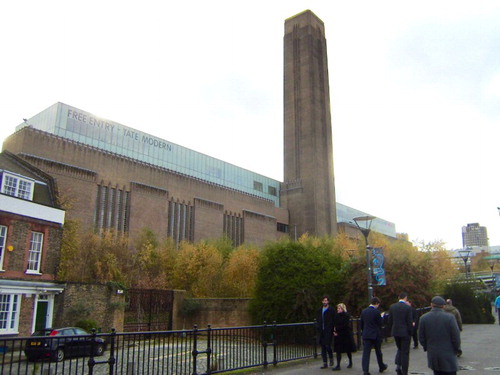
x: 292, y: 278
x: 474, y: 307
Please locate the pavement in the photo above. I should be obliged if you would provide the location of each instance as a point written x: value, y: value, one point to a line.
x: 480, y: 346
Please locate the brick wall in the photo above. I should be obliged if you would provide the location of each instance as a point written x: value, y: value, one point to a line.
x: 78, y: 169
x: 97, y: 302
x: 218, y: 312
x: 149, y: 206
x: 19, y: 230
x: 259, y: 228
x: 208, y: 219
x: 26, y: 314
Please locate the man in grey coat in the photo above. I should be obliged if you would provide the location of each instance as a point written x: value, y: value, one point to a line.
x: 440, y: 338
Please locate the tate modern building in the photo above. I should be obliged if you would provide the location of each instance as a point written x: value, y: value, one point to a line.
x: 115, y: 177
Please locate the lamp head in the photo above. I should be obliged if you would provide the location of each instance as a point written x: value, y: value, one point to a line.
x: 364, y: 224
x: 465, y: 254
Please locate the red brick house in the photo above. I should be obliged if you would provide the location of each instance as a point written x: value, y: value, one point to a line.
x: 30, y: 240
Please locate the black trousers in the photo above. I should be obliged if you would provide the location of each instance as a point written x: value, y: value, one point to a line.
x: 367, y: 348
x: 326, y: 348
x: 403, y: 353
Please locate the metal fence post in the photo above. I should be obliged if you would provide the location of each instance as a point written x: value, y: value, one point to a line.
x: 195, y: 350
x: 316, y: 338
x: 112, y: 358
x: 91, y: 361
x: 209, y: 349
x: 275, y: 344
x: 264, y: 343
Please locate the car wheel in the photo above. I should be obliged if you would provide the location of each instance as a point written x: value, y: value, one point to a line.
x: 99, y: 350
x: 59, y: 355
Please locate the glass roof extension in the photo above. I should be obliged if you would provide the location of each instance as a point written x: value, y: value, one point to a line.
x: 81, y: 126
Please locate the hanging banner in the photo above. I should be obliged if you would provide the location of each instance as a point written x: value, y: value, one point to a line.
x: 378, y: 265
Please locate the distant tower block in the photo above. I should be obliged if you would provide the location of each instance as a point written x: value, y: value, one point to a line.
x: 308, y: 190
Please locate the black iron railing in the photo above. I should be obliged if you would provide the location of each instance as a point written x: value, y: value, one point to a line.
x: 190, y: 352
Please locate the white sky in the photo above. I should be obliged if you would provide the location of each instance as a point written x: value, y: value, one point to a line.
x: 415, y: 91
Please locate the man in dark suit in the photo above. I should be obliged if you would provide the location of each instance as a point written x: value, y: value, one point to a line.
x: 439, y: 335
x: 324, y: 321
x: 371, y: 325
x: 401, y: 322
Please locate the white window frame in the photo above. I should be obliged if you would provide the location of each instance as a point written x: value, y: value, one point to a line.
x: 10, y: 306
x: 3, y: 241
x: 50, y: 310
x: 35, y: 253
x: 20, y: 187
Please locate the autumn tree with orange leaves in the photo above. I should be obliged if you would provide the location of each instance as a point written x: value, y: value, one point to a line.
x: 420, y: 273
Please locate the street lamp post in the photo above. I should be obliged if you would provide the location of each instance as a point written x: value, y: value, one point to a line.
x: 491, y: 263
x: 364, y: 224
x: 465, y: 254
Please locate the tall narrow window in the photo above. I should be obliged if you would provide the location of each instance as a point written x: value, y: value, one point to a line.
x: 9, y: 313
x: 233, y: 228
x: 180, y: 221
x: 112, y: 209
x: 35, y: 252
x: 3, y: 240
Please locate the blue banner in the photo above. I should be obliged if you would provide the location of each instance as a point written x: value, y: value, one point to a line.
x: 378, y: 265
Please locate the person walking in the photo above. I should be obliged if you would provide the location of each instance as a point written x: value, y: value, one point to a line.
x: 401, y: 322
x: 497, y: 307
x: 324, y: 321
x: 449, y: 308
x: 371, y: 324
x: 439, y: 336
x: 343, y: 340
x: 415, y: 318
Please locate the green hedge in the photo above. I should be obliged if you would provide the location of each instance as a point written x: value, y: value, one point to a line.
x: 475, y: 307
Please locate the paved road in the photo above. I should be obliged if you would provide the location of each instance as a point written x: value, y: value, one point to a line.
x: 481, y: 356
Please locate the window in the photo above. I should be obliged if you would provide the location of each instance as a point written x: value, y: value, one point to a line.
x: 35, y: 252
x: 16, y: 186
x: 24, y: 190
x: 283, y: 228
x: 180, y: 221
x: 233, y: 228
x: 258, y: 186
x: 9, y: 313
x: 3, y: 239
x: 271, y: 190
x: 112, y: 207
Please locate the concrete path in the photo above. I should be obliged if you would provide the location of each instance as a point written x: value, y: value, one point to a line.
x: 481, y: 356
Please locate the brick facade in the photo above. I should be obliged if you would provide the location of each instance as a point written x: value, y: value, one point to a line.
x: 97, y: 302
x: 80, y: 169
x: 16, y: 260
x: 31, y: 234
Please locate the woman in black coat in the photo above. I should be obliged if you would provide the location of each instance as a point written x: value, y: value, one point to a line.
x: 343, y: 340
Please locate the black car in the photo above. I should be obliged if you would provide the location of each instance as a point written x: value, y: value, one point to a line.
x: 57, y: 344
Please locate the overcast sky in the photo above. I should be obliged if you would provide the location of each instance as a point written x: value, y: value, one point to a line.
x: 415, y: 91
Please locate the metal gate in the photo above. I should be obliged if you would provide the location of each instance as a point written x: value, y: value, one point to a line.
x: 148, y: 310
